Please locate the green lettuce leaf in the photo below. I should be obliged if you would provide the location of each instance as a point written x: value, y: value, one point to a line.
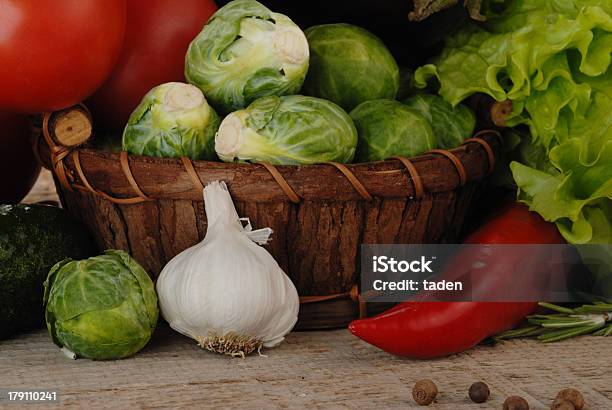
x: 576, y: 185
x: 552, y: 59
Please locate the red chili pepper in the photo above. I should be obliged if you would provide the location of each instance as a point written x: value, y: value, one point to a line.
x: 426, y: 330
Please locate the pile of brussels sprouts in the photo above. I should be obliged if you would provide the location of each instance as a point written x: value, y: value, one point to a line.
x: 289, y: 97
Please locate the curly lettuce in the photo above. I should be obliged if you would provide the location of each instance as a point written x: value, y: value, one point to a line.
x: 552, y: 59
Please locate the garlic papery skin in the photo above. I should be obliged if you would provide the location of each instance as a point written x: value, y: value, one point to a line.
x: 227, y: 292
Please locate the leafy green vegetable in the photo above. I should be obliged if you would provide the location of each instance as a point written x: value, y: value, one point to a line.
x: 288, y: 130
x: 246, y: 52
x: 100, y: 308
x: 173, y: 120
x: 349, y: 65
x: 387, y: 128
x: 451, y: 125
x: 551, y: 58
x: 32, y: 239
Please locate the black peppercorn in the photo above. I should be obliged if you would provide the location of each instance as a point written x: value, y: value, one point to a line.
x: 479, y: 392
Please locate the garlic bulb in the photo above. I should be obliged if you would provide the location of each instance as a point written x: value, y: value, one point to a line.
x: 227, y: 292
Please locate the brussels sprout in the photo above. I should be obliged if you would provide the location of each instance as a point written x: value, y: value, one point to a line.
x: 288, y: 130
x: 349, y: 65
x: 246, y: 52
x: 387, y: 128
x: 100, y: 308
x: 451, y: 125
x: 173, y: 120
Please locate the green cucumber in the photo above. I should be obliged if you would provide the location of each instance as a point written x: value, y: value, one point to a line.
x: 32, y: 239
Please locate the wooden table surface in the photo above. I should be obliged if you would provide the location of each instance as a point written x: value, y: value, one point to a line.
x: 330, y: 369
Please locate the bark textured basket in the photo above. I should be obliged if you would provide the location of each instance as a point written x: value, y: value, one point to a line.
x: 320, y: 214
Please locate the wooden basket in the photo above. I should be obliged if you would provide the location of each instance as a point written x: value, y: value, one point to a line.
x: 320, y: 214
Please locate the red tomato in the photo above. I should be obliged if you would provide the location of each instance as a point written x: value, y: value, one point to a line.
x: 56, y: 53
x: 18, y: 167
x: 157, y: 37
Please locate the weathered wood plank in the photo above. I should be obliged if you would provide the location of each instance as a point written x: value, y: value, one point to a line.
x: 329, y: 369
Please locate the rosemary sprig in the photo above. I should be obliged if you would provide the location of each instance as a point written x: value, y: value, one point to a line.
x: 593, y: 319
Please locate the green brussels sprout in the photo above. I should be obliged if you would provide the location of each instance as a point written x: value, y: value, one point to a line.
x: 173, y: 120
x: 349, y: 65
x: 100, y: 308
x: 288, y: 130
x: 387, y: 128
x: 246, y: 52
x: 451, y: 125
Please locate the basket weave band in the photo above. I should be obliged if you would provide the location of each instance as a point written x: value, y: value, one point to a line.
x: 361, y: 190
x: 67, y: 180
x: 195, y: 179
x: 125, y: 167
x: 456, y: 162
x: 477, y: 138
x: 353, y: 294
x: 87, y: 186
x: 58, y: 153
x: 77, y: 164
x: 488, y: 150
x: 282, y: 182
x: 414, y: 175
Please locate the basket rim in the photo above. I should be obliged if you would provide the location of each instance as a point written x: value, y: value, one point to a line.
x: 153, y: 178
